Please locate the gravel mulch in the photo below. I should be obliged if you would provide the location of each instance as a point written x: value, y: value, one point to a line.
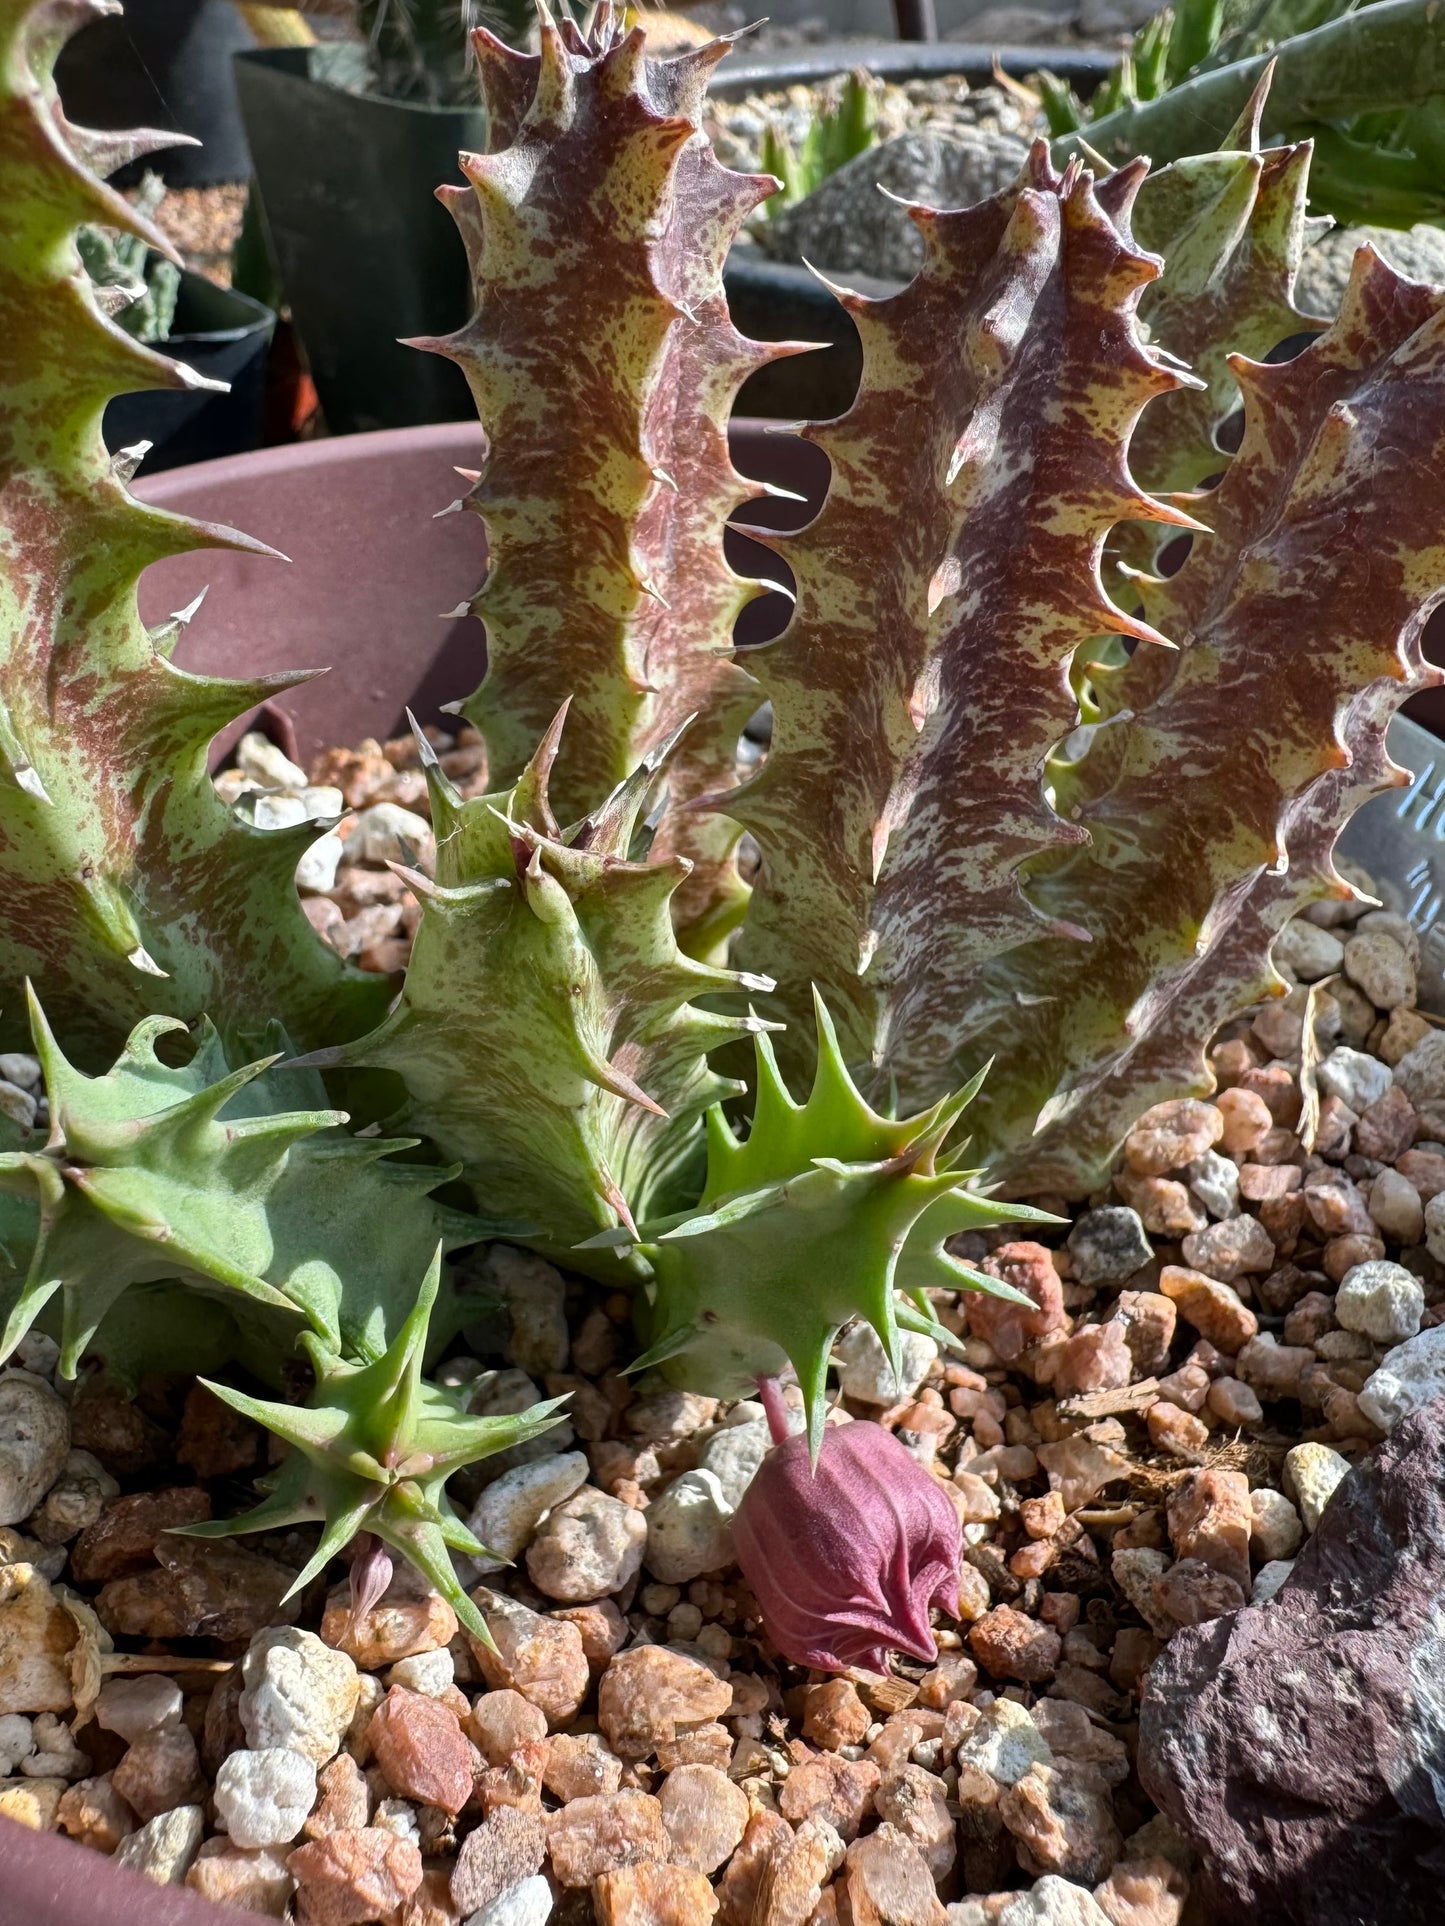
x: 204, y: 223
x: 1147, y: 1448
x: 937, y: 107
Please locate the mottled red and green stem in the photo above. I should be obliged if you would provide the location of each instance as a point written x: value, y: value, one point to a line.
x: 604, y: 366
x: 127, y: 886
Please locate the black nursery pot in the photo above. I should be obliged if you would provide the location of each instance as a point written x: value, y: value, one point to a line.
x: 366, y: 253
x: 780, y: 300
x: 220, y: 333
x: 164, y: 63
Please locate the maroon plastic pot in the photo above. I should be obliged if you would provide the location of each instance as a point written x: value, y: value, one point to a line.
x: 370, y: 573
x: 374, y: 564
x: 47, y: 1881
x: 372, y: 570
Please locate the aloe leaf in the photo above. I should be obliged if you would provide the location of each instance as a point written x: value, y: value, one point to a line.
x: 1391, y: 54
x: 1196, y: 30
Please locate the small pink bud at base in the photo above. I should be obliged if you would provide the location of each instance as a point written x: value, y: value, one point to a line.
x: 371, y: 1570
x: 847, y: 1559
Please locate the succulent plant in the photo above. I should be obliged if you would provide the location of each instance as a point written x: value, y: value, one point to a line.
x: 914, y: 703
x: 241, y: 1183
x: 1188, y: 877
x: 953, y: 906
x: 597, y: 230
x: 127, y: 887
x: 548, y: 1033
x: 827, y: 1211
x: 138, y: 287
x: 1230, y: 228
x: 838, y: 132
x: 961, y: 857
x: 417, y: 49
x: 1366, y: 83
x: 371, y: 1452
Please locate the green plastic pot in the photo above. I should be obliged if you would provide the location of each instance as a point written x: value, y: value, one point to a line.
x: 365, y: 252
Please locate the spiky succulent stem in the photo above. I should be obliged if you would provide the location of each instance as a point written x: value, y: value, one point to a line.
x: 240, y: 1183
x: 1213, y: 810
x: 827, y: 1211
x: 547, y: 1031
x: 1230, y: 228
x: 127, y: 886
x: 371, y: 1452
x: 920, y: 686
x: 598, y: 226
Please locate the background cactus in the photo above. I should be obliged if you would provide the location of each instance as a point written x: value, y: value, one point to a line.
x: 141, y: 286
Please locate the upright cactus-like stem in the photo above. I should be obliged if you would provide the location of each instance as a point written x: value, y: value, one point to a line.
x: 597, y: 229
x: 1230, y: 228
x: 1088, y: 930
x: 923, y: 679
x: 1212, y: 812
x: 127, y: 887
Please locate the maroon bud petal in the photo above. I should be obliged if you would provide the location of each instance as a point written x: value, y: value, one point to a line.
x: 847, y: 1559
x: 371, y: 1570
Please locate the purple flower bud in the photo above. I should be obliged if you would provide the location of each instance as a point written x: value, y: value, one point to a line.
x: 371, y: 1572
x: 847, y: 1558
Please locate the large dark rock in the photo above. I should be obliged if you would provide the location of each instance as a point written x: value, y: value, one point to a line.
x: 1301, y: 1744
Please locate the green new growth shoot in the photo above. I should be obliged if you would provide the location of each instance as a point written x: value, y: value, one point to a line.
x: 826, y: 1211
x: 372, y: 1450
x: 238, y: 1181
